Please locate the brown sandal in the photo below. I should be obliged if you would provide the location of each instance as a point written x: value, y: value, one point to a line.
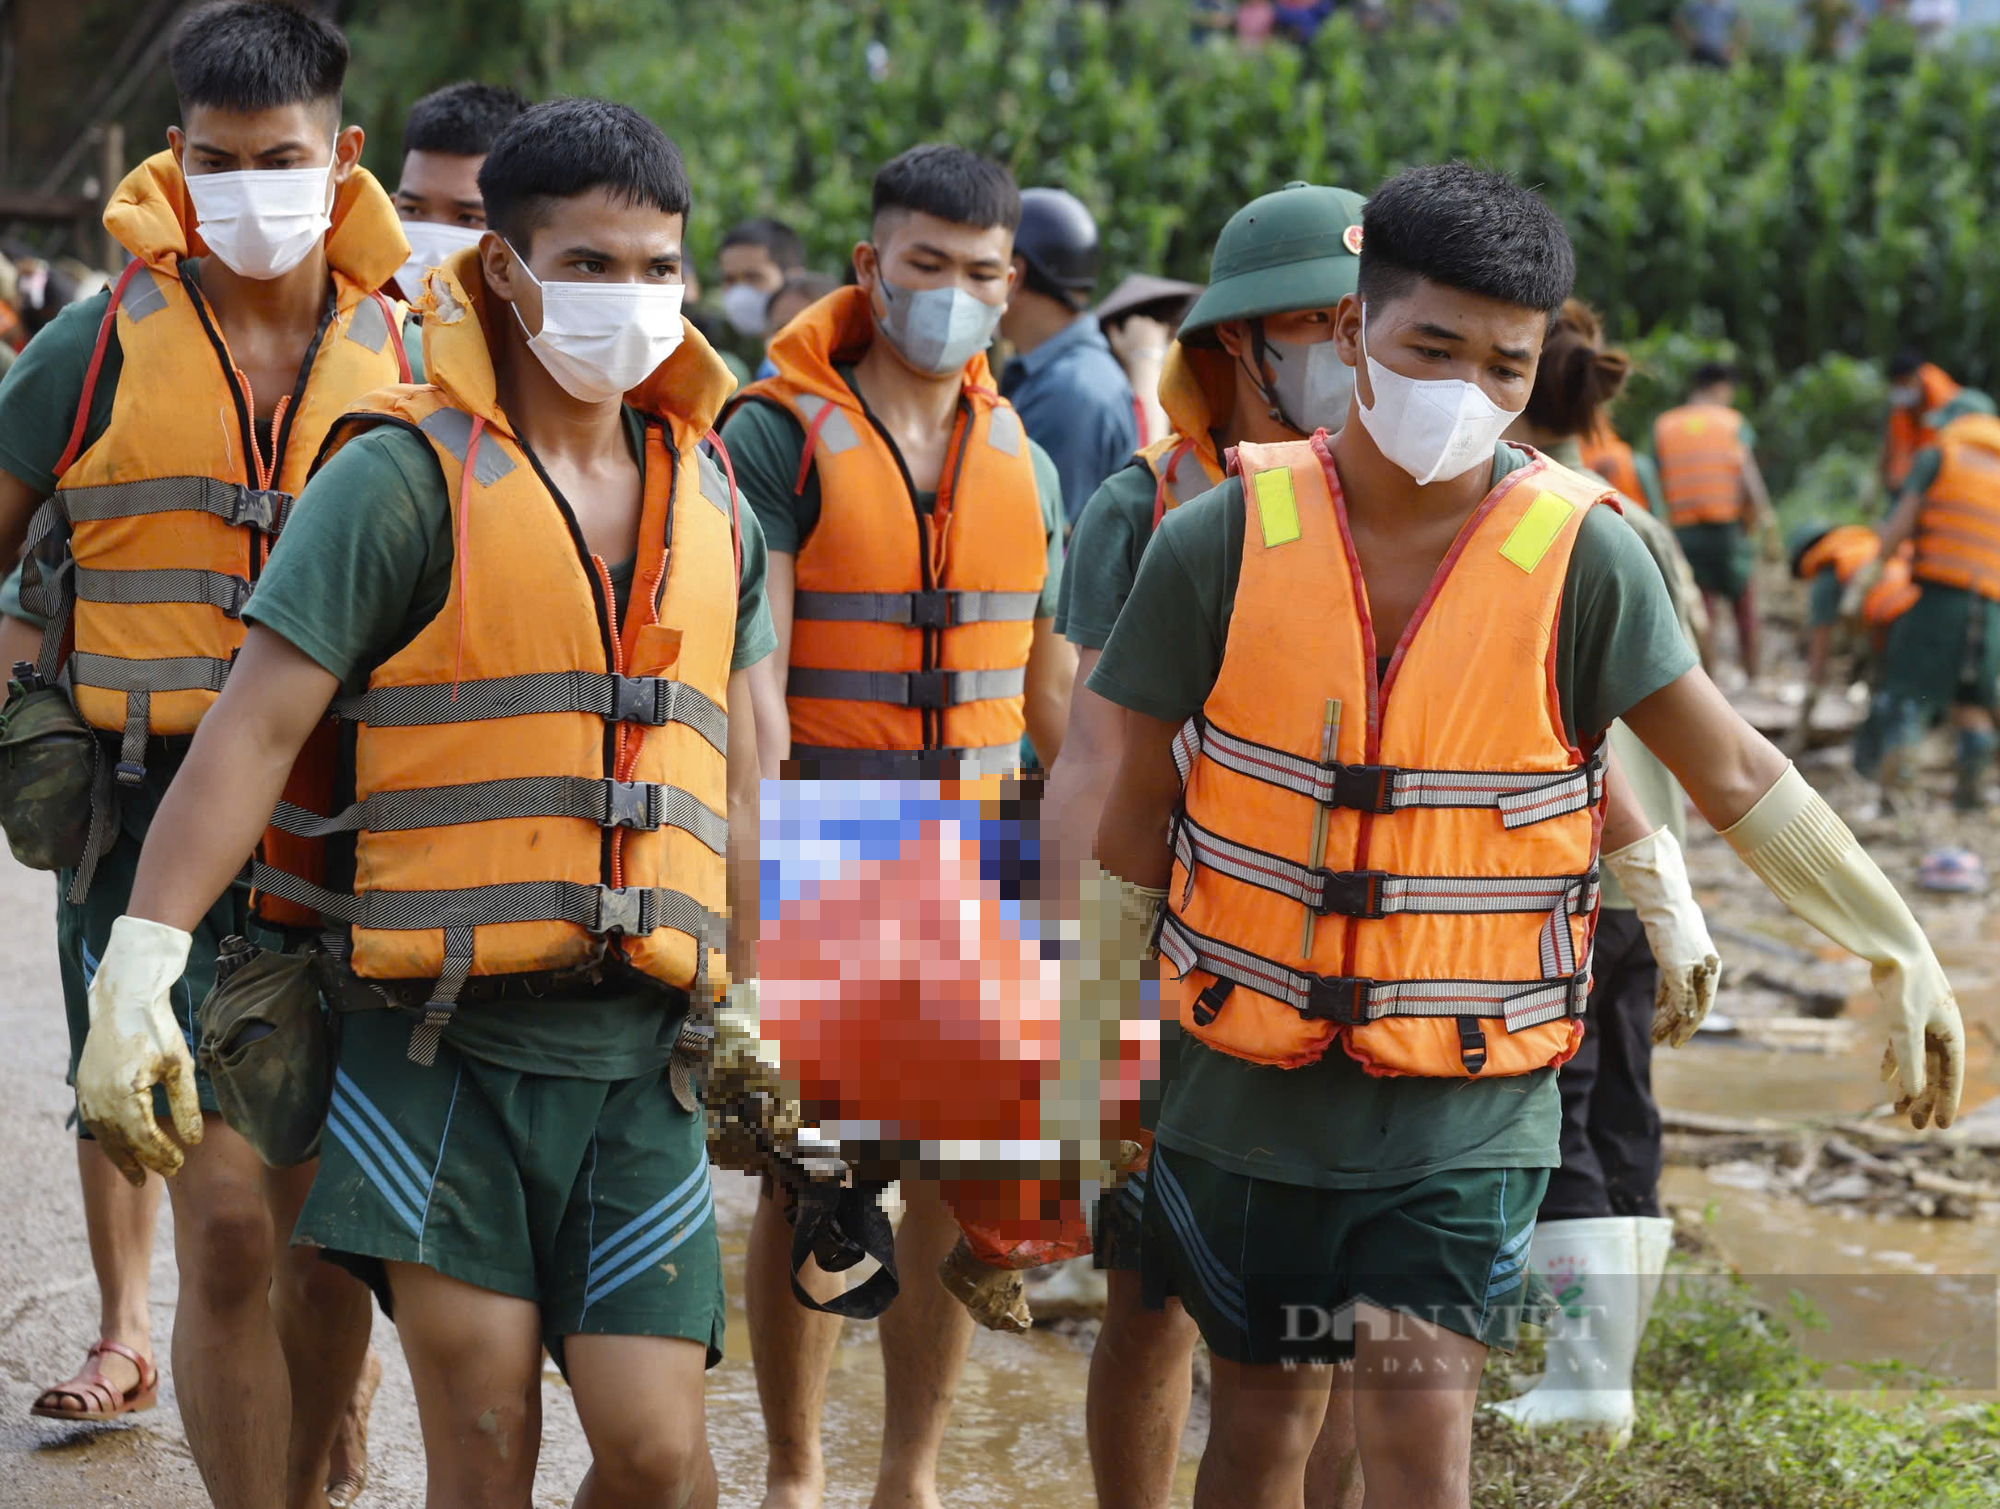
x: 94, y: 1397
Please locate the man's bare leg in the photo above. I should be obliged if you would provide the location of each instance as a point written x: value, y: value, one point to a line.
x: 324, y: 1314
x: 229, y: 1369
x: 120, y: 1221
x: 476, y: 1368
x: 1264, y: 1420
x: 1333, y: 1471
x: 925, y: 1336
x: 791, y: 1349
x: 1137, y: 1407
x: 1415, y: 1387
x: 640, y: 1401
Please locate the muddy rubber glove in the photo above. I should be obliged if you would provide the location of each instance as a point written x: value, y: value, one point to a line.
x: 1655, y: 880
x: 1859, y: 586
x: 135, y: 1043
x: 745, y: 1079
x: 996, y: 1297
x: 1812, y: 863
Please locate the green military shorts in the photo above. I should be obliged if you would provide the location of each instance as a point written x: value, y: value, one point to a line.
x: 589, y: 1197
x: 1721, y: 557
x: 83, y: 931
x: 1270, y: 1271
x: 1945, y: 651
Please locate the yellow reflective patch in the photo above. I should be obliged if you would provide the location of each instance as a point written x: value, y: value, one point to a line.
x: 1277, y: 506
x: 1530, y: 539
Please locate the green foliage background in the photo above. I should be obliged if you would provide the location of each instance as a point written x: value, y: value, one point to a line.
x: 1790, y: 209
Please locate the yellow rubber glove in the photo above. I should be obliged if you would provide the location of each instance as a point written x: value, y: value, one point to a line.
x: 1812, y: 863
x: 1655, y: 880
x: 134, y: 1044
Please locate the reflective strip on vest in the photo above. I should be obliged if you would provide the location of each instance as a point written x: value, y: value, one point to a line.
x: 923, y: 610
x: 1700, y: 456
x: 928, y: 689
x: 231, y: 502
x: 1958, y: 526
x: 637, y: 805
x: 653, y: 701
x: 1350, y: 1001
x: 833, y: 764
x: 1520, y: 798
x: 165, y: 585
x: 178, y: 673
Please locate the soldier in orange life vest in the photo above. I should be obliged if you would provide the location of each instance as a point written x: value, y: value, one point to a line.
x: 1254, y: 362
x: 1828, y: 558
x: 157, y: 435
x: 1715, y: 499
x: 1917, y: 389
x: 1943, y: 653
x: 530, y: 600
x: 1362, y: 804
x: 916, y: 543
x: 446, y: 136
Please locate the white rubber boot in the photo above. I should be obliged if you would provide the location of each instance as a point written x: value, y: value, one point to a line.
x: 1594, y: 1268
x: 1656, y: 1240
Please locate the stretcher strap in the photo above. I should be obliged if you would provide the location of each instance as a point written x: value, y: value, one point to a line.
x: 926, y: 610
x: 1352, y: 1001
x: 650, y: 700
x: 1376, y: 893
x: 1520, y: 797
x: 932, y: 689
x: 640, y: 805
x: 833, y: 763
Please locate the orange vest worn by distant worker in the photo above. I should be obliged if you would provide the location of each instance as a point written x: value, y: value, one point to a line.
x: 1457, y: 892
x: 1907, y: 432
x: 156, y: 532
x: 911, y: 629
x: 1958, y: 526
x: 1611, y: 458
x: 537, y: 784
x: 1846, y: 548
x: 1699, y: 449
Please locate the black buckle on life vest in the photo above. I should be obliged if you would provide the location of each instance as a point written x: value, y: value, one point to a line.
x: 928, y: 689
x: 1340, y: 999
x: 636, y: 699
x: 1210, y: 1001
x: 1362, y: 788
x: 631, y: 804
x: 1471, y: 1044
x: 930, y: 610
x: 1350, y: 893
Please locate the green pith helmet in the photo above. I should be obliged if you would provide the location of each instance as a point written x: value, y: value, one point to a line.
x: 1802, y: 539
x: 1965, y: 401
x: 1299, y: 248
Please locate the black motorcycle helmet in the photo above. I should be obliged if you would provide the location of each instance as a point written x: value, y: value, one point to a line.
x: 1058, y: 240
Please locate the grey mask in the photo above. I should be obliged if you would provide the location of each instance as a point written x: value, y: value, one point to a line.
x: 938, y: 330
x: 1309, y: 386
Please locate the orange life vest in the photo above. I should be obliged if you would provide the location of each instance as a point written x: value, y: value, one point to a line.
x: 535, y: 785
x: 1458, y: 889
x: 1699, y: 448
x: 1958, y: 527
x: 1907, y: 432
x: 147, y: 552
x: 1185, y: 464
x: 911, y: 631
x: 1611, y: 458
x: 1846, y: 548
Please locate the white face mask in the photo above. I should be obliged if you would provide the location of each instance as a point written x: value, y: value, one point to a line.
x: 430, y: 244
x: 744, y: 305
x: 1435, y: 430
x: 601, y: 340
x: 1309, y: 386
x: 938, y: 330
x: 265, y: 222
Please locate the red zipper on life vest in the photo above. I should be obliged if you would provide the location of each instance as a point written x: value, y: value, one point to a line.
x: 620, y: 765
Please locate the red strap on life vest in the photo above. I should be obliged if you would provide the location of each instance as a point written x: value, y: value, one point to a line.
x: 1167, y: 475
x: 735, y: 507
x: 812, y: 444
x: 395, y: 334
x: 68, y: 457
x: 1139, y: 421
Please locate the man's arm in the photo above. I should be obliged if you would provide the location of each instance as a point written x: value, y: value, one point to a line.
x: 768, y: 676
x: 1132, y: 836
x: 1900, y: 524
x: 1092, y: 742
x: 1755, y: 493
x: 217, y: 808
x: 18, y: 503
x: 1051, y: 675
x: 743, y: 776
x: 1723, y: 763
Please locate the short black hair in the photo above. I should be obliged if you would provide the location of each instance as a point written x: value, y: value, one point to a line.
x: 1904, y: 362
x: 247, y: 55
x: 1708, y: 374
x: 1469, y: 229
x: 950, y: 183
x: 460, y: 120
x: 810, y: 286
x: 568, y: 147
x: 788, y: 252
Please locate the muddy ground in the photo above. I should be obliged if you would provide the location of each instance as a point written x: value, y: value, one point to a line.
x: 1778, y: 1141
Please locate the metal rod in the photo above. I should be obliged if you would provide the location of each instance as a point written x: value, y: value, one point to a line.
x: 1329, y: 742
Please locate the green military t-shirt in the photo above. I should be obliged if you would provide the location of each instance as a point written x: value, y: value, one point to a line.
x: 765, y: 443
x: 363, y: 565
x: 1331, y: 1124
x: 1103, y: 559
